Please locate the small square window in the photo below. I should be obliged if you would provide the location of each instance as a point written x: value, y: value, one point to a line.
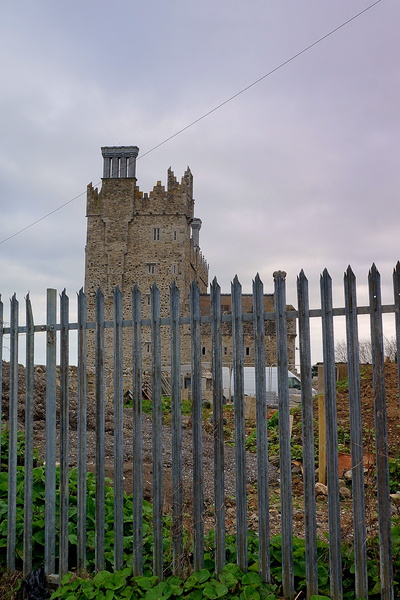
x: 156, y: 234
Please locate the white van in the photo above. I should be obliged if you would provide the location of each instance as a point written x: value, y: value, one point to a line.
x: 271, y: 384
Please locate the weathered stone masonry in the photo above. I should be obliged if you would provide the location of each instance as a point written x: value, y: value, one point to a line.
x: 139, y: 238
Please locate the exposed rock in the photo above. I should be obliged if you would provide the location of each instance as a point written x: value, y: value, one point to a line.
x: 321, y: 489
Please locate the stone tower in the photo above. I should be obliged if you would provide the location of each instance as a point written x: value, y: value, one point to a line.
x: 139, y: 238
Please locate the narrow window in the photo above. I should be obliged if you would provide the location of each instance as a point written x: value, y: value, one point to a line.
x: 174, y: 235
x: 148, y: 299
x: 203, y: 350
x: 151, y: 268
x: 247, y: 351
x: 148, y: 347
x: 156, y: 234
x: 225, y: 350
x: 174, y: 269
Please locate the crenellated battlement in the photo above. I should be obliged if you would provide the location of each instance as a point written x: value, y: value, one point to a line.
x: 176, y: 198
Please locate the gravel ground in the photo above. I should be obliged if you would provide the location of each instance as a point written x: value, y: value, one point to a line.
x: 187, y: 453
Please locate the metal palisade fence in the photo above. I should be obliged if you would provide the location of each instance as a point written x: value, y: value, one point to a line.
x: 57, y: 501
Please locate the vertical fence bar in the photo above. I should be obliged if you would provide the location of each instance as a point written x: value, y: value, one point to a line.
x: 29, y: 399
x: 382, y: 463
x: 12, y: 440
x: 240, y: 438
x: 118, y: 434
x: 99, y: 385
x: 64, y: 434
x: 396, y: 293
x: 1, y: 372
x: 50, y: 492
x: 356, y: 437
x: 218, y: 415
x: 81, y: 524
x: 262, y: 436
x: 137, y: 433
x: 198, y: 487
x: 335, y: 559
x: 176, y: 430
x: 307, y: 417
x: 157, y: 431
x: 284, y: 435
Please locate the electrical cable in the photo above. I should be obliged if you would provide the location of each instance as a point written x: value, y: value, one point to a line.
x: 280, y: 66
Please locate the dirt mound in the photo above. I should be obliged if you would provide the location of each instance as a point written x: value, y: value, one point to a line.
x: 367, y: 407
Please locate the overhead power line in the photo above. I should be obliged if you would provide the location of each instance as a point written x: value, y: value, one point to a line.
x: 245, y: 89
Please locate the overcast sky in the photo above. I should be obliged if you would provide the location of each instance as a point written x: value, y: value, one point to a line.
x: 299, y: 172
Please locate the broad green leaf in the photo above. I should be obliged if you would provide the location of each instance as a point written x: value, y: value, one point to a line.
x: 228, y: 579
x: 213, y: 589
x: 251, y: 578
x: 101, y: 578
x: 234, y: 569
x: 115, y: 582
x: 191, y: 582
x: 145, y: 583
x: 202, y: 575
x: 249, y: 593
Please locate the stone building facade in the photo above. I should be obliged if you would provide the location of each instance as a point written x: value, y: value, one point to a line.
x: 139, y: 238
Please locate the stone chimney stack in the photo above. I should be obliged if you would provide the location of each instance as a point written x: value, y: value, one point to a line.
x: 196, y: 225
x: 119, y: 161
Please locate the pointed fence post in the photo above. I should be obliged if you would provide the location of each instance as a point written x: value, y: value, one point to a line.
x: 177, y: 499
x: 50, y: 507
x: 64, y: 434
x: 284, y: 435
x: 29, y: 400
x: 262, y: 437
x: 335, y: 556
x: 82, y: 388
x: 12, y: 440
x: 118, y: 434
x: 381, y: 442
x: 307, y: 418
x: 137, y: 432
x: 240, y: 437
x: 157, y: 431
x: 197, y: 429
x: 356, y: 436
x: 218, y: 429
x: 396, y: 293
x: 100, y: 434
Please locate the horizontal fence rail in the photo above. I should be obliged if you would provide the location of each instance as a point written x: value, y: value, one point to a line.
x: 59, y: 530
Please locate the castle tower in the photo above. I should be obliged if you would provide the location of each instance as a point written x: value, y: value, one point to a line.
x: 139, y: 238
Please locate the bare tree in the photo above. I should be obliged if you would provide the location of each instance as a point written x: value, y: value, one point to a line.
x: 341, y: 352
x: 365, y: 350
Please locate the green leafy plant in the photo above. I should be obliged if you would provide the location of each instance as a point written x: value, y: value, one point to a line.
x: 4, y: 448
